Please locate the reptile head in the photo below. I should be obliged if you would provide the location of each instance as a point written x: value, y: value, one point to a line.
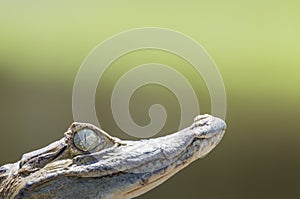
x: 88, y: 162
x: 80, y: 139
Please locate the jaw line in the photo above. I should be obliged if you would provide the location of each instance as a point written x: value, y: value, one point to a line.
x: 169, y: 172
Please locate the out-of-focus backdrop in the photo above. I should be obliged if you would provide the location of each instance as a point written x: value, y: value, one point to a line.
x: 255, y: 44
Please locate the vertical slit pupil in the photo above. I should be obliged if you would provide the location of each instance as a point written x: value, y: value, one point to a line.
x: 86, y: 139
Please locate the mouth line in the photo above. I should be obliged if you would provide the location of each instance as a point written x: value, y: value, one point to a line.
x: 158, y: 180
x: 183, y: 159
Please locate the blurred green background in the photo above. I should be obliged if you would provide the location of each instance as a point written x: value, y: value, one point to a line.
x: 255, y: 45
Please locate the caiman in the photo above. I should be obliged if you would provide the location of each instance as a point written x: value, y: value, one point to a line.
x: 89, y: 163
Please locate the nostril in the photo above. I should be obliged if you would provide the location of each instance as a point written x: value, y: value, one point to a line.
x: 201, y: 117
x: 74, y: 125
x: 201, y: 120
x: 21, y: 164
x: 2, y: 170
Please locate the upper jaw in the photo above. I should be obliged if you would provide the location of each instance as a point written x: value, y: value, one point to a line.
x: 205, y: 127
x: 160, y: 152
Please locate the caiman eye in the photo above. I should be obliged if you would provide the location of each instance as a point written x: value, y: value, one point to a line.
x: 86, y: 139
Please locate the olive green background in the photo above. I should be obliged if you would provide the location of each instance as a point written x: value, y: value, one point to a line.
x: 255, y: 45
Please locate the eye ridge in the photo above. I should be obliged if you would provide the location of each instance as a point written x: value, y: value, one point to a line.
x: 86, y: 139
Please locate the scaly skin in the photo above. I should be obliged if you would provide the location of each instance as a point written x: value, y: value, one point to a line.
x: 113, y: 168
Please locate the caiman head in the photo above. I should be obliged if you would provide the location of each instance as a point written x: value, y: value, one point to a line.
x: 89, y: 163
